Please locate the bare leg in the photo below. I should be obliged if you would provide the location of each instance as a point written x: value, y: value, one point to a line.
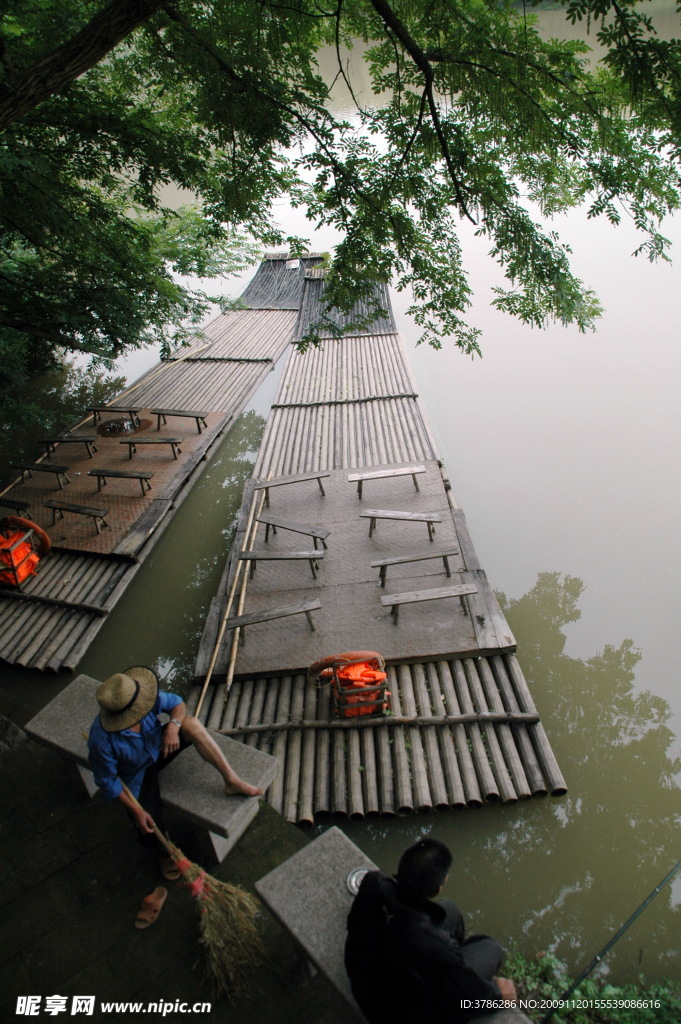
x: 194, y: 731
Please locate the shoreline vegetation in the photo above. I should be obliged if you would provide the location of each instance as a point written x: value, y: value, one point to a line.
x: 541, y: 981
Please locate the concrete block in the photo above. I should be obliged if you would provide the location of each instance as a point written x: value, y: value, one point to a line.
x: 194, y: 789
x: 308, y: 893
x: 63, y: 721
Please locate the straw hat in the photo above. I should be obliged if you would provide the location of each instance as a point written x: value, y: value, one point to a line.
x: 126, y: 697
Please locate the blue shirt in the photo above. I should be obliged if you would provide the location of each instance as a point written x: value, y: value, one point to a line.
x: 117, y: 757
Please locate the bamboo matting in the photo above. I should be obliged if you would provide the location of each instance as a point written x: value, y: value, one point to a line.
x: 473, y: 735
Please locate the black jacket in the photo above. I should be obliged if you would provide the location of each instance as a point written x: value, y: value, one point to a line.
x: 403, y: 967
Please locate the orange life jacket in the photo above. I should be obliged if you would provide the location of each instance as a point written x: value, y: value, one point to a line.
x: 20, y: 563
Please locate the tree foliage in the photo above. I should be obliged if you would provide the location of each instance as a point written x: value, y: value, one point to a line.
x: 476, y: 116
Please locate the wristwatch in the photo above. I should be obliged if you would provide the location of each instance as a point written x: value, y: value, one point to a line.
x: 175, y: 721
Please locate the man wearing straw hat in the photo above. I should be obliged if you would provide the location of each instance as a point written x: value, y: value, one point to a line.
x: 406, y: 953
x: 128, y: 744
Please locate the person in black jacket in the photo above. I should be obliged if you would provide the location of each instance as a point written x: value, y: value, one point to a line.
x: 407, y: 956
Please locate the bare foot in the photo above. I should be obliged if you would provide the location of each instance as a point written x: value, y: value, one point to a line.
x: 238, y: 787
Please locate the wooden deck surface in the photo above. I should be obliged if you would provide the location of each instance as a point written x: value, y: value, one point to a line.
x: 128, y: 508
x: 351, y: 615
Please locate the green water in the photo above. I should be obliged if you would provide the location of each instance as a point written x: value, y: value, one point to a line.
x: 562, y: 450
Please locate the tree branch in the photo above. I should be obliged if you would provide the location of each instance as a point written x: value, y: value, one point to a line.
x: 392, y: 22
x: 55, y: 337
x: 58, y: 69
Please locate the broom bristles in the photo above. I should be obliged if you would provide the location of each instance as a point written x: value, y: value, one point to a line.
x: 229, y: 932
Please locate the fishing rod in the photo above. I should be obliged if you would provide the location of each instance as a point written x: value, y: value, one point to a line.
x: 608, y: 946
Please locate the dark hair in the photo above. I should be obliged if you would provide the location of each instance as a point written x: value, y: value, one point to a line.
x: 423, y: 868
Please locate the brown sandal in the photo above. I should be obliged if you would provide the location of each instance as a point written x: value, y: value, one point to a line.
x: 151, y: 907
x: 169, y: 869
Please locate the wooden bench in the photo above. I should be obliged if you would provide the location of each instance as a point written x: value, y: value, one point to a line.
x: 281, y: 481
x: 189, y: 786
x: 383, y: 474
x: 17, y: 506
x: 284, y: 556
x: 161, y: 414
x: 174, y: 443
x: 269, y: 614
x: 97, y: 411
x: 43, y: 467
x: 98, y: 515
x: 383, y: 563
x: 52, y: 442
x: 394, y: 601
x: 103, y: 474
x: 274, y: 524
x: 429, y: 518
x: 309, y: 895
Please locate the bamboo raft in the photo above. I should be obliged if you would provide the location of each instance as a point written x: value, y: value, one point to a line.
x: 51, y: 622
x: 462, y: 728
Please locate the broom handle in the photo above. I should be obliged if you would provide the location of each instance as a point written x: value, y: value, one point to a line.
x: 157, y: 832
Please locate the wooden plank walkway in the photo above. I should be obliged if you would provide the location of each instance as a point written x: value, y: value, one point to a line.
x: 50, y: 626
x: 463, y: 728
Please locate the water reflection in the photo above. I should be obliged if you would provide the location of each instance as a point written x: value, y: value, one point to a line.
x: 562, y: 875
x: 160, y: 619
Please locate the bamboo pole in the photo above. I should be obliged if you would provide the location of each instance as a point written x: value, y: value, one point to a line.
x: 223, y: 623
x: 403, y: 790
x: 277, y: 791
x: 307, y: 765
x: 387, y: 722
x: 370, y: 773
x: 294, y: 752
x: 322, y: 787
x: 355, y: 772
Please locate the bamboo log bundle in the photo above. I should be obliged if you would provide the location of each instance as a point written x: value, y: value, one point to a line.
x: 436, y: 777
x: 503, y: 779
x: 546, y: 756
x: 531, y: 765
x: 488, y: 784
x: 471, y: 788
x: 450, y: 765
x: 505, y: 735
x: 419, y: 766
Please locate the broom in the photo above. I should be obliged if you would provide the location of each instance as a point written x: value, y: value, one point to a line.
x: 229, y: 933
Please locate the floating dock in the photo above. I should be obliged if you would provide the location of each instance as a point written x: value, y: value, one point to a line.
x: 463, y: 728
x: 50, y: 623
